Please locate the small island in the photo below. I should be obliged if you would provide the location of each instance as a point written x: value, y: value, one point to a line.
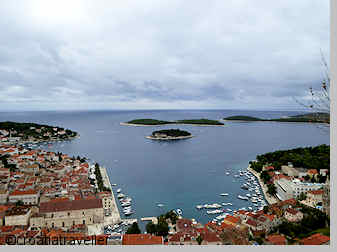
x: 15, y: 132
x: 154, y: 122
x: 170, y: 134
x: 310, y: 117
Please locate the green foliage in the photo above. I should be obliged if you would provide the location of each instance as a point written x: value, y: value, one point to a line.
x: 151, y: 228
x: 172, y: 132
x: 313, y: 219
x: 26, y: 131
x: 99, y: 179
x: 302, y: 196
x: 310, y: 117
x: 271, y: 189
x: 265, y: 176
x: 133, y: 229
x: 19, y: 203
x: 199, y: 240
x: 148, y: 122
x: 200, y: 121
x: 256, y: 166
x: 172, y: 216
x: 317, y: 157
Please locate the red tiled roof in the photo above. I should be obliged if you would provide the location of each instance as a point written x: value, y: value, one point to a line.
x: 142, y: 239
x: 251, y: 222
x: 312, y: 171
x: 316, y: 192
x: 27, y: 192
x: 232, y: 219
x: 52, y: 206
x: 276, y: 239
x: 315, y: 239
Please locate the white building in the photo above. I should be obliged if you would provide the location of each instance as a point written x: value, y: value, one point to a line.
x: 292, y: 189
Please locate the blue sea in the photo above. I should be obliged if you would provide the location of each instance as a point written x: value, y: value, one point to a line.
x: 178, y: 174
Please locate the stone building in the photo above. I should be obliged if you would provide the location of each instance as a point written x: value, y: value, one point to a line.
x: 28, y: 197
x: 326, y: 197
x: 18, y: 215
x: 65, y: 214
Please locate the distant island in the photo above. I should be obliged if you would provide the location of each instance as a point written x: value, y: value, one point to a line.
x: 170, y: 134
x: 310, y: 117
x: 12, y: 132
x: 154, y: 122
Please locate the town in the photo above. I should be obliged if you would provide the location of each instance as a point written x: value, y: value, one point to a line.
x: 47, y: 194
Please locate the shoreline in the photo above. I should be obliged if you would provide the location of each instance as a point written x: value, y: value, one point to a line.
x: 168, y: 138
x: 145, y: 125
x: 115, y: 215
x: 270, y: 199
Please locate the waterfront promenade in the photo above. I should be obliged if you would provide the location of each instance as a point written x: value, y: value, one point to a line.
x: 269, y: 199
x: 115, y: 216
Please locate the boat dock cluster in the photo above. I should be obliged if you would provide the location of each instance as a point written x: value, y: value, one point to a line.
x: 125, y: 202
x: 254, y: 197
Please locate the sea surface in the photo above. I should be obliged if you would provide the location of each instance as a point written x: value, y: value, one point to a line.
x: 178, y: 174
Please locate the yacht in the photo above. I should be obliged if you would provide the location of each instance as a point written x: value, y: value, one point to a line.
x: 179, y: 211
x: 160, y: 205
x: 244, y: 186
x: 224, y: 194
x: 199, y: 207
x: 214, y: 211
x: 120, y: 195
x: 248, y: 195
x: 242, y: 197
x: 227, y: 173
x: 119, y: 190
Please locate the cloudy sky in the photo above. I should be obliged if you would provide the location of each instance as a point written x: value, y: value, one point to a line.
x: 160, y: 54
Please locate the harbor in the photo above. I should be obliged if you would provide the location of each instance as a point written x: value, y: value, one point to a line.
x: 269, y: 199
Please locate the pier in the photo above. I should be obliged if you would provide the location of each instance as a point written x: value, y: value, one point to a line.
x: 153, y: 219
x: 269, y: 199
x: 115, y: 216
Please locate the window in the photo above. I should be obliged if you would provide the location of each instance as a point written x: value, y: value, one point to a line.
x: 62, y: 224
x: 68, y: 214
x: 73, y: 223
x: 83, y: 221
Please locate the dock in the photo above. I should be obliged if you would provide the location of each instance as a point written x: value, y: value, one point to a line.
x: 269, y: 199
x: 153, y: 219
x: 115, y: 216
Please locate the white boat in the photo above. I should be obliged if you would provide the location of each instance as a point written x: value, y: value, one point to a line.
x: 114, y: 184
x: 242, y: 197
x: 224, y: 194
x: 199, y: 207
x: 229, y: 210
x: 119, y: 190
x: 160, y: 205
x: 248, y: 195
x: 250, y: 208
x: 179, y: 211
x: 227, y: 173
x: 217, y: 211
x: 120, y: 195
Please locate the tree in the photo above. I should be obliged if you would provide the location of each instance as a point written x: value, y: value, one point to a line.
x: 19, y: 203
x: 302, y: 196
x: 319, y: 102
x: 151, y: 228
x: 265, y: 209
x: 265, y: 176
x: 134, y: 229
x: 271, y: 189
x: 199, y: 240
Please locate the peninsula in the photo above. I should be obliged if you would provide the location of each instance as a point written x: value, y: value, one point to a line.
x: 154, y: 122
x: 310, y: 117
x: 15, y: 132
x: 170, y: 134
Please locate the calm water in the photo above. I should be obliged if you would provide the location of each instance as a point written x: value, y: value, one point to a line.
x: 179, y: 174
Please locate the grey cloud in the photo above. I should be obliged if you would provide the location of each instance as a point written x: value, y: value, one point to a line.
x: 232, y: 53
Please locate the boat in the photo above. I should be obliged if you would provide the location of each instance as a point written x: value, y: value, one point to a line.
x: 120, y: 195
x: 248, y: 195
x: 227, y: 173
x: 199, y: 207
x: 126, y: 204
x: 250, y: 208
x: 242, y: 197
x: 114, y: 184
x: 128, y: 213
x: 244, y: 186
x: 179, y: 211
x: 160, y: 205
x: 119, y: 190
x: 229, y: 210
x: 214, y: 211
x: 224, y: 194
